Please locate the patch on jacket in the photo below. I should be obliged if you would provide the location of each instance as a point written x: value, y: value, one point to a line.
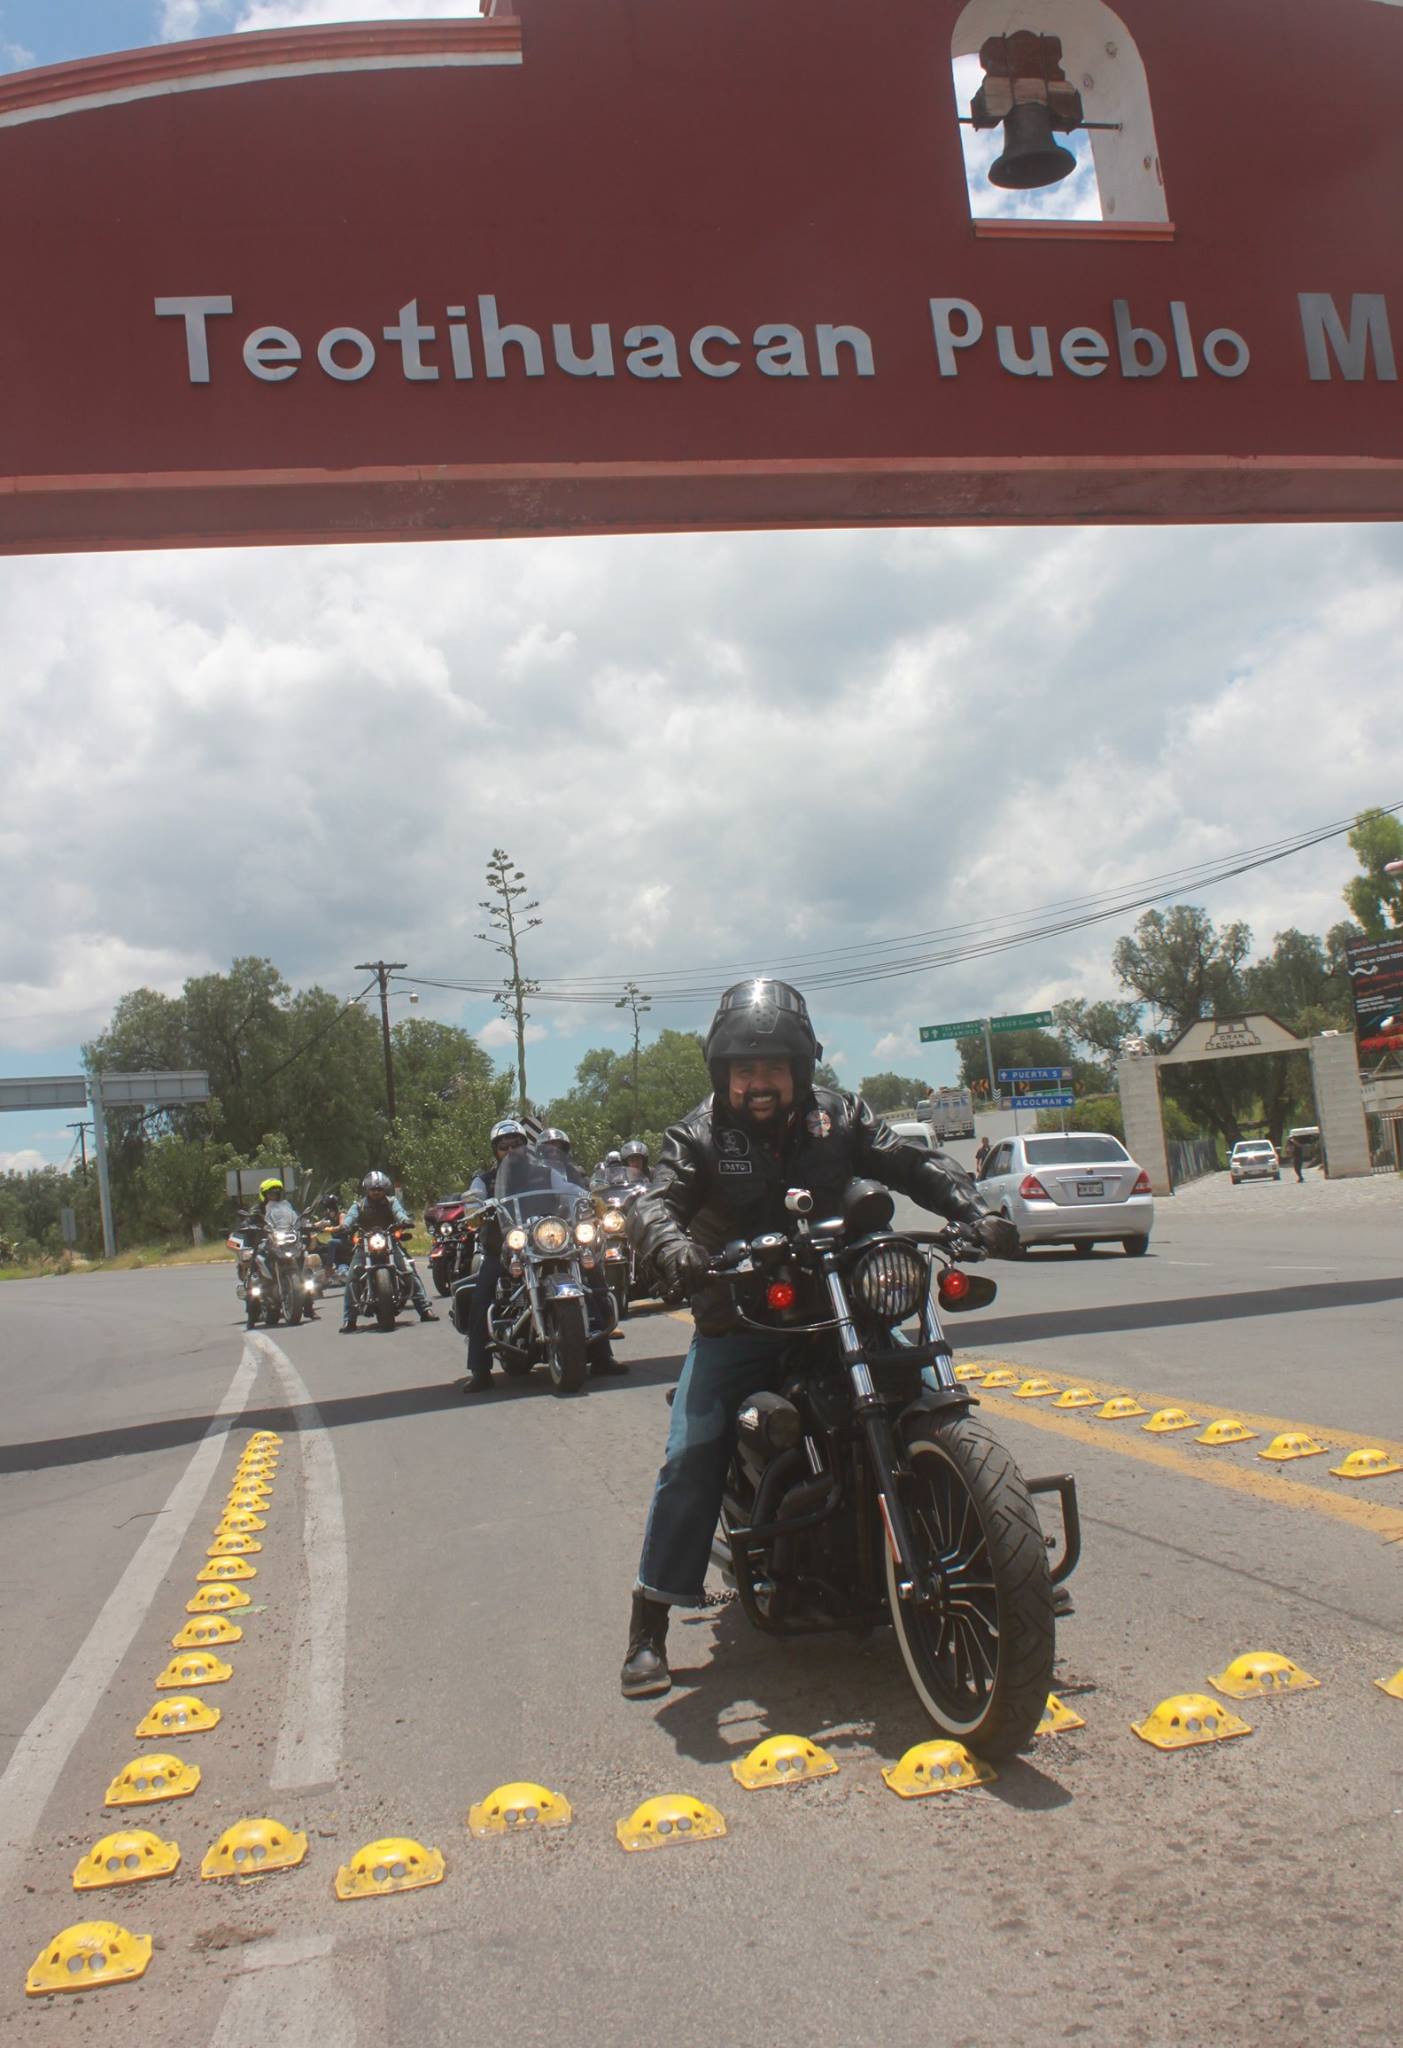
x: 819, y: 1123
x: 732, y: 1144
x: 734, y: 1166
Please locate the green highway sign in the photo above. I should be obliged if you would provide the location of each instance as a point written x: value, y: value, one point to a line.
x: 1036, y: 1020
x: 973, y: 1028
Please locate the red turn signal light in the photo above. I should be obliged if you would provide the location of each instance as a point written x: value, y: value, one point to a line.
x: 1142, y: 1186
x: 780, y: 1294
x: 954, y: 1286
x: 1032, y: 1189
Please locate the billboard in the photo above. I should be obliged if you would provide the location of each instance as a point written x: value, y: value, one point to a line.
x: 651, y: 267
x: 1376, y: 982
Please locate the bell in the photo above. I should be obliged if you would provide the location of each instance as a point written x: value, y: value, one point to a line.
x: 1031, y: 155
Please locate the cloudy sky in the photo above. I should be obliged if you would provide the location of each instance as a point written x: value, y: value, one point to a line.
x: 706, y: 752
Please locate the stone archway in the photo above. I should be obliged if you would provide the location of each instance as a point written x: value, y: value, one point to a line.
x: 1334, y: 1067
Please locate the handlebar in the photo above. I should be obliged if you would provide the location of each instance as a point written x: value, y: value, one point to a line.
x: 956, y: 1241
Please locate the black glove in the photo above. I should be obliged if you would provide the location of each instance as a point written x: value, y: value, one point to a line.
x: 685, y: 1267
x: 998, y: 1236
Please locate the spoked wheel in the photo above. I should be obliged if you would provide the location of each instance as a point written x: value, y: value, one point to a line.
x: 568, y: 1356
x: 980, y: 1656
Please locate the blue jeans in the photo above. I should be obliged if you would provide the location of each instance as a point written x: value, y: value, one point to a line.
x: 720, y: 1374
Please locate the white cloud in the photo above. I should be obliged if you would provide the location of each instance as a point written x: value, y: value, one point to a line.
x: 895, y: 1045
x: 27, y: 1161
x: 185, y: 18
x: 501, y: 1032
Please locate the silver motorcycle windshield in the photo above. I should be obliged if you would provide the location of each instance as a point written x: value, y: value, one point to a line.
x: 281, y: 1216
x: 530, y: 1189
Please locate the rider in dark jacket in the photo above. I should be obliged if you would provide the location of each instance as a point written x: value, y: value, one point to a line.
x: 723, y: 1174
x: 380, y: 1208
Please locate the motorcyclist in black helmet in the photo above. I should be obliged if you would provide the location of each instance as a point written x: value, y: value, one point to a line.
x: 379, y: 1208
x: 723, y: 1174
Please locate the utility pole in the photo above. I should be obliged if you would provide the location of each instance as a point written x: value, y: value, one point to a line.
x: 382, y: 970
x: 634, y: 999
x: 82, y: 1131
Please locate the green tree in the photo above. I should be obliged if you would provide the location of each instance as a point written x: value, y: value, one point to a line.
x: 1376, y: 899
x: 601, y: 1110
x: 885, y: 1092
x: 180, y: 1183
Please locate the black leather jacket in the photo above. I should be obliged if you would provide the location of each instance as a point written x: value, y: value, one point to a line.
x: 717, y: 1180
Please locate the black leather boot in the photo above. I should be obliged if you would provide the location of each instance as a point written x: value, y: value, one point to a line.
x: 645, y: 1671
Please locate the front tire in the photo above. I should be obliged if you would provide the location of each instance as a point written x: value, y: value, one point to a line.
x: 567, y: 1356
x: 386, y: 1304
x: 981, y: 1657
x: 443, y: 1279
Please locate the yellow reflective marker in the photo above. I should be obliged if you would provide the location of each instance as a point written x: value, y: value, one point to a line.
x: 197, y: 1667
x: 87, y: 1956
x: 237, y: 1520
x: 1077, y: 1397
x: 393, y: 1864
x: 1186, y: 1719
x: 519, y: 1805
x: 1035, y: 1389
x: 936, y: 1767
x: 670, y: 1819
x: 233, y: 1543
x: 1120, y: 1408
x: 255, y: 1500
x: 1366, y: 1464
x: 1292, y: 1443
x: 970, y: 1372
x: 264, y: 1436
x: 782, y: 1760
x: 1257, y: 1674
x: 1058, y: 1719
x: 1166, y: 1421
x: 207, y: 1631
x: 184, y: 1715
x: 129, y: 1857
x: 225, y: 1568
x: 1392, y: 1686
x: 1227, y: 1431
x: 214, y: 1599
x: 254, y: 1848
x: 148, y: 1778
x: 1001, y: 1376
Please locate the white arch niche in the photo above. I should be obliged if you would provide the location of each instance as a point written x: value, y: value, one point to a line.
x: 1100, y: 58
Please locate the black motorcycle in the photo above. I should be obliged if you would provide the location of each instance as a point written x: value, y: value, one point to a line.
x: 278, y: 1282
x: 612, y: 1203
x: 867, y: 1491
x: 382, y: 1284
x: 546, y: 1311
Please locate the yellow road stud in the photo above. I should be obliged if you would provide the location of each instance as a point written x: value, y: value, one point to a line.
x: 254, y: 1499
x: 1187, y: 1719
x: 233, y: 1543
x: 253, y: 1848
x: 260, y: 1473
x: 239, y: 1521
x: 1292, y: 1443
x: 197, y: 1667
x: 148, y: 1778
x: 207, y: 1631
x: 1392, y: 1686
x: 936, y: 1767
x: 1001, y: 1376
x: 521, y: 1805
x: 265, y: 1436
x: 393, y: 1864
x: 671, y: 1818
x: 1257, y: 1674
x: 1165, y: 1421
x: 1058, y: 1719
x: 129, y: 1857
x: 1077, y: 1397
x: 782, y: 1760
x: 214, y: 1599
x: 1120, y: 1408
x: 225, y: 1568
x: 970, y: 1372
x: 1366, y: 1464
x: 183, y: 1715
x: 1228, y: 1431
x: 1035, y: 1389
x: 87, y: 1956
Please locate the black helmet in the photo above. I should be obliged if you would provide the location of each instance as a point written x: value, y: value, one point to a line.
x: 552, y: 1136
x: 762, y: 1019
x: 377, y: 1185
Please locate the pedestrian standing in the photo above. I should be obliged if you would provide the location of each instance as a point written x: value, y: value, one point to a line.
x: 1296, y: 1152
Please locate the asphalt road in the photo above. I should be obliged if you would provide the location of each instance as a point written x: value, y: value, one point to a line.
x: 440, y: 1607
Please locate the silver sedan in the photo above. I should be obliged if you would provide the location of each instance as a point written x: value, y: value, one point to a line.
x: 1079, y: 1188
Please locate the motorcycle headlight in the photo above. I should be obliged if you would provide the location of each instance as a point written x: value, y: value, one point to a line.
x: 516, y: 1240
x: 378, y: 1242
x: 613, y: 1219
x: 551, y: 1234
x: 891, y: 1281
x: 285, y: 1236
x: 585, y: 1233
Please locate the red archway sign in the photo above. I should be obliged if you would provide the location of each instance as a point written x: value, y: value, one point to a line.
x: 648, y: 265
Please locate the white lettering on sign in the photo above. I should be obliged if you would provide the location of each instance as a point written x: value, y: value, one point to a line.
x: 1368, y: 334
x: 1141, y: 353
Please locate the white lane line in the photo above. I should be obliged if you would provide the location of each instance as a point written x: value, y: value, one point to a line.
x: 289, y: 1991
x: 49, y: 1740
x: 309, y: 1740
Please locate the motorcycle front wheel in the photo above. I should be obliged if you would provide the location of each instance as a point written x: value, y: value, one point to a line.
x: 980, y: 1656
x: 386, y: 1303
x: 293, y: 1302
x: 619, y: 1289
x: 443, y: 1279
x: 567, y: 1354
